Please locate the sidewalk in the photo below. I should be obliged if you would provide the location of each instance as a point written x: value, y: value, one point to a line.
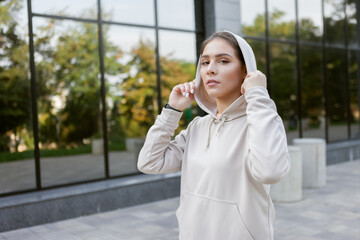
x: 331, y: 213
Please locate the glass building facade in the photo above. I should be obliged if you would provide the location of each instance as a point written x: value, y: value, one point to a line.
x: 83, y: 81
x: 310, y: 51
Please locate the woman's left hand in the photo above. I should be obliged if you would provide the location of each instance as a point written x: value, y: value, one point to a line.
x: 253, y: 79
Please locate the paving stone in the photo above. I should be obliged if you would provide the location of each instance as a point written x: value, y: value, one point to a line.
x: 328, y: 213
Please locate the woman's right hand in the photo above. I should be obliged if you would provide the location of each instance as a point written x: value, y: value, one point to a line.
x: 182, y: 95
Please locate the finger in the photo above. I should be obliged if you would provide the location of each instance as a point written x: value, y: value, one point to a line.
x: 187, y: 89
x: 182, y: 89
x: 192, y: 85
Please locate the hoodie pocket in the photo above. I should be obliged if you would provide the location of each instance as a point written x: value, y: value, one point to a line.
x: 201, y: 217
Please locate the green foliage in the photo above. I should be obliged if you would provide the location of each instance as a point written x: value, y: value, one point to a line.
x: 14, y: 81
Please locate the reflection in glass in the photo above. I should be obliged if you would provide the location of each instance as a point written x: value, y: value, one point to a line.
x: 178, y: 63
x: 284, y: 86
x: 260, y: 54
x: 17, y: 167
x: 129, y: 11
x: 282, y: 18
x: 336, y: 87
x: 310, y: 20
x: 334, y: 20
x: 131, y: 93
x: 69, y: 106
x: 313, y: 112
x: 253, y: 17
x: 354, y: 34
x: 69, y: 8
x: 176, y: 14
x: 354, y: 93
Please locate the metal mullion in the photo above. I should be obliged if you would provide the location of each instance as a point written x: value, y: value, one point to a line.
x: 298, y: 66
x: 67, y: 185
x: 347, y: 76
x: 103, y: 93
x: 147, y: 26
x: 310, y: 44
x: 267, y: 46
x: 335, y: 46
x: 200, y: 36
x: 278, y: 40
x: 158, y: 65
x: 64, y: 18
x: 34, y: 99
x: 324, y: 59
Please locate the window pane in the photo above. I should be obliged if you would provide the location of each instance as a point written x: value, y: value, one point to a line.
x: 283, y: 86
x: 129, y: 11
x: 17, y: 167
x: 354, y: 93
x: 69, y: 8
x: 353, y: 18
x: 132, y: 93
x: 336, y: 85
x: 178, y: 65
x: 177, y: 45
x: 253, y: 17
x: 334, y: 19
x: 310, y: 20
x: 313, y: 111
x: 176, y: 14
x: 282, y: 18
x: 69, y: 107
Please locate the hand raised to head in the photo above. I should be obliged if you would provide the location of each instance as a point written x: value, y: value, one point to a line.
x: 253, y: 79
x: 182, y: 95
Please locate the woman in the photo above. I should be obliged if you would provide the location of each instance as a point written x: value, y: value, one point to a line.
x: 227, y: 158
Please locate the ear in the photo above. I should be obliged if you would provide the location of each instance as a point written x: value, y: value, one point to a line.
x: 243, y: 73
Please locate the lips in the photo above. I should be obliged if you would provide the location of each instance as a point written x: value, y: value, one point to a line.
x: 211, y: 82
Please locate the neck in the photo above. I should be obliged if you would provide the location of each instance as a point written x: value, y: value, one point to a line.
x: 223, y: 104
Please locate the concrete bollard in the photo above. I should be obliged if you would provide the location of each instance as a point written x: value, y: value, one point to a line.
x: 289, y: 189
x: 313, y: 161
x: 97, y: 146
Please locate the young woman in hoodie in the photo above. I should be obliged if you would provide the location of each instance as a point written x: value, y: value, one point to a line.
x: 228, y: 158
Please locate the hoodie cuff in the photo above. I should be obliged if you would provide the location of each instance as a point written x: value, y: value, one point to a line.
x: 170, y: 116
x: 254, y: 92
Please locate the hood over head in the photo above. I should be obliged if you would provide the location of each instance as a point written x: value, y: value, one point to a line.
x: 207, y: 103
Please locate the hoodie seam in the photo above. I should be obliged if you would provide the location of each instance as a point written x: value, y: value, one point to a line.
x: 268, y: 213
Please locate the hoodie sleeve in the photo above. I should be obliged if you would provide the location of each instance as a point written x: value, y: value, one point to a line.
x: 268, y: 154
x: 159, y: 154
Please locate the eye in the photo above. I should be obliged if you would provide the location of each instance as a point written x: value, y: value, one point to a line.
x: 205, y: 62
x: 223, y: 61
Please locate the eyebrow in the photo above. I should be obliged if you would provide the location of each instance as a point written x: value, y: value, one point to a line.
x: 218, y: 55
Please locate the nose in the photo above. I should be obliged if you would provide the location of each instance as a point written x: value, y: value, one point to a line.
x: 211, y: 69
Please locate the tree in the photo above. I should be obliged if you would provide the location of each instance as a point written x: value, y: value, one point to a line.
x: 14, y: 82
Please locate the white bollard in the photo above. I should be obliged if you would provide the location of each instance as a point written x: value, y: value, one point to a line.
x: 313, y: 161
x: 289, y: 188
x: 97, y: 146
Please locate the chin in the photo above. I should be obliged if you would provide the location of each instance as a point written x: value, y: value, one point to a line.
x: 213, y: 93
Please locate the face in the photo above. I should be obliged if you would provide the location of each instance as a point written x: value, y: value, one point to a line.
x: 221, y: 71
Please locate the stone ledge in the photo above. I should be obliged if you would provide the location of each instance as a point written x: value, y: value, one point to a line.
x: 342, y: 151
x: 46, y: 206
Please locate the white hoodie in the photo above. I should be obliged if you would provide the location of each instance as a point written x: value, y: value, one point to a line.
x: 226, y: 163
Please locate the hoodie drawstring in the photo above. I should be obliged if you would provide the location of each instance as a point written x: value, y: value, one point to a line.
x: 223, y: 119
x: 221, y: 124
